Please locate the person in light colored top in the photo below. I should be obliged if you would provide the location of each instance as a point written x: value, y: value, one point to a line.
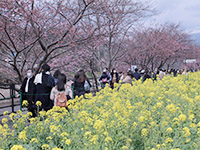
x: 128, y: 78
x: 185, y: 72
x: 161, y: 74
x: 61, y: 86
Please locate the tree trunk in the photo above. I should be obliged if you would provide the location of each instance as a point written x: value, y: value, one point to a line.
x: 94, y: 76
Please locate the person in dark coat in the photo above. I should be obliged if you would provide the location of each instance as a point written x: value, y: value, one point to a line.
x: 27, y: 90
x: 44, y: 83
x: 104, y: 79
x: 115, y: 77
x: 79, y: 82
x: 55, y: 76
x: 146, y: 76
x: 136, y: 75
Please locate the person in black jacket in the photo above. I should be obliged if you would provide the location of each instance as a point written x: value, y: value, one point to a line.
x: 44, y: 82
x: 136, y: 75
x: 104, y: 79
x: 146, y: 76
x: 79, y: 81
x: 27, y: 90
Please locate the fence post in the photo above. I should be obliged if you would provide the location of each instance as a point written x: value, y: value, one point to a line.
x: 72, y: 87
x: 12, y: 86
x: 20, y: 100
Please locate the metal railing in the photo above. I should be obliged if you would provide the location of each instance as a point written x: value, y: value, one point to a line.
x: 12, y: 96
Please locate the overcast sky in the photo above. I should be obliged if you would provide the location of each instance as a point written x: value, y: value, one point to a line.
x: 184, y: 12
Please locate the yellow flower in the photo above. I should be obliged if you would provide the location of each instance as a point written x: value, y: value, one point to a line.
x: 18, y: 147
x: 33, y: 140
x: 32, y: 120
x: 25, y: 103
x: 159, y: 104
x: 135, y: 110
x: 22, y: 135
x: 128, y: 141
x: 53, y: 129
x: 182, y: 117
x: 45, y: 147
x: 4, y: 120
x: 5, y: 125
x: 187, y: 140
x: 30, y: 114
x: 198, y: 124
x: 193, y: 125
x: 153, y: 123
x: 124, y: 147
x: 169, y: 130
x: 171, y: 108
x: 85, y: 144
x: 186, y: 132
x: 12, y: 116
x: 38, y: 103
x: 49, y: 138
x: 105, y: 133
x: 14, y: 125
x: 56, y: 148
x: 158, y: 146
x: 191, y: 117
x: 169, y: 140
x: 194, y: 144
x: 94, y: 139
x: 99, y: 124
x: 5, y: 113
x: 134, y: 124
x: 19, y: 112
x: 68, y: 142
x: 64, y: 134
x: 88, y: 133
x: 42, y: 113
x: 108, y: 138
x: 144, y: 132
x: 141, y: 118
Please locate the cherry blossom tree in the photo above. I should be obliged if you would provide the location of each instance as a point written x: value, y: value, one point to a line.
x: 36, y: 31
x: 156, y: 47
x: 111, y: 21
x: 114, y: 20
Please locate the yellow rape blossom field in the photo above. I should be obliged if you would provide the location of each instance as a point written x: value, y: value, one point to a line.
x: 161, y: 115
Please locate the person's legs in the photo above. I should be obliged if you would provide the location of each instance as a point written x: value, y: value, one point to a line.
x: 32, y: 110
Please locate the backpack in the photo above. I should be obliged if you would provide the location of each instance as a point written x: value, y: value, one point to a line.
x: 61, y: 100
x: 86, y: 86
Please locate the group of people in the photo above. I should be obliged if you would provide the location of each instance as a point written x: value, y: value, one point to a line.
x: 115, y: 77
x: 56, y: 90
x: 52, y: 90
x: 130, y: 76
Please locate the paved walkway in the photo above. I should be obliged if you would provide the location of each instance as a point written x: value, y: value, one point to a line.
x: 9, y: 109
